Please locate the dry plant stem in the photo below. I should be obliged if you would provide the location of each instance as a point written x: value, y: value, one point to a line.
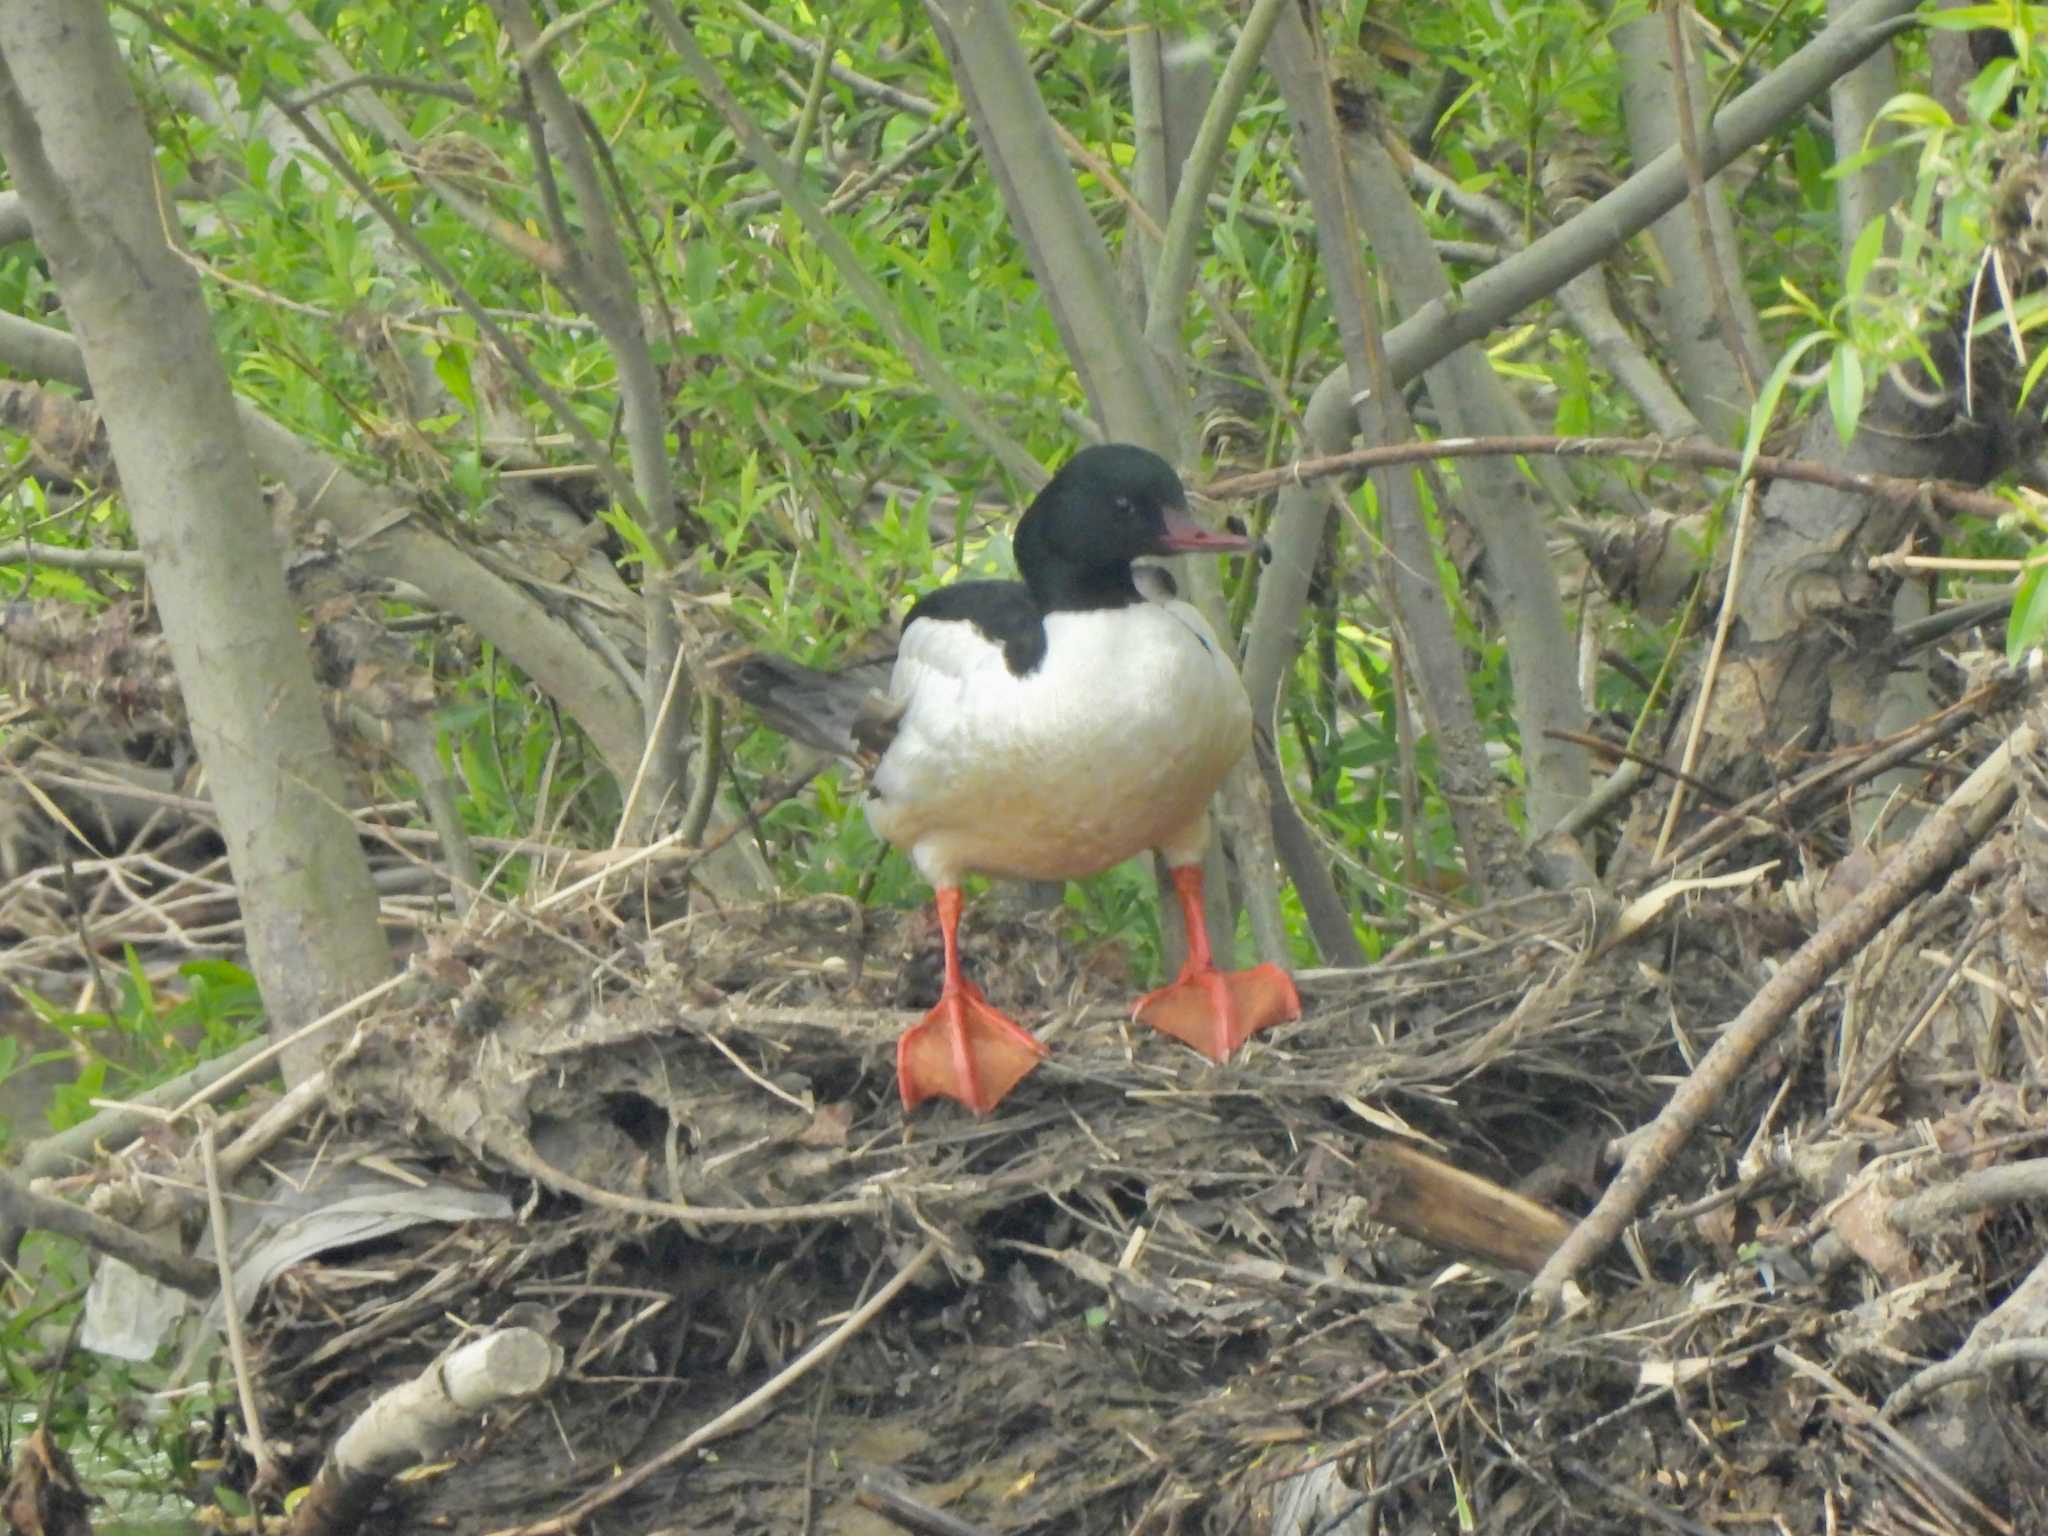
x: 1859, y: 1413
x: 1956, y: 564
x: 1852, y: 1099
x: 1963, y: 820
x: 523, y: 1159
x: 737, y: 1416
x: 417, y: 1418
x: 280, y: 1117
x: 231, y: 1311
x: 1833, y: 777
x: 366, y: 818
x: 1478, y: 924
x: 21, y: 1208
x: 1722, y: 623
x: 895, y: 1505
x: 658, y: 731
x: 675, y: 842
x: 1933, y: 1493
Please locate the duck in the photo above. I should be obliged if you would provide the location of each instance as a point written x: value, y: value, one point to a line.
x: 1048, y: 728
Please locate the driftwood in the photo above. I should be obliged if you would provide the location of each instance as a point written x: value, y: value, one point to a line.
x: 419, y: 1418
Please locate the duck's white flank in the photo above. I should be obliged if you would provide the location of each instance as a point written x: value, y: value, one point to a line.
x: 1111, y: 746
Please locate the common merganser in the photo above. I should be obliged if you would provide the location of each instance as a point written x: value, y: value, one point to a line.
x: 1046, y: 729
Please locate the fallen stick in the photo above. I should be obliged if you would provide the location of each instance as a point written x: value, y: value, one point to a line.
x: 22, y: 1208
x: 416, y: 1419
x: 900, y: 1508
x: 1942, y: 840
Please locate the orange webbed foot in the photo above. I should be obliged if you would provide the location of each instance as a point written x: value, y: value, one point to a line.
x: 1217, y: 1011
x: 963, y: 1049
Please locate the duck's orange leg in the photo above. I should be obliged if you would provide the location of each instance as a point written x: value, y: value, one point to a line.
x: 1215, y: 1011
x: 963, y: 1049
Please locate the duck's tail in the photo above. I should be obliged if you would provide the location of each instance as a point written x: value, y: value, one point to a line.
x: 848, y: 712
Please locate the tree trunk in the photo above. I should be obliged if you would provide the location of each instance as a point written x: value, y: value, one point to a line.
x: 74, y: 139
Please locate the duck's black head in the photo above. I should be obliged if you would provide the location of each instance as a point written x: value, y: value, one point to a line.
x: 1106, y: 507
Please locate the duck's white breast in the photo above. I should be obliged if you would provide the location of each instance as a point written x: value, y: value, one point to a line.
x: 1110, y: 746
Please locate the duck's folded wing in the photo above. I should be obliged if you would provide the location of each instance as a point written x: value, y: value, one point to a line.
x: 846, y: 712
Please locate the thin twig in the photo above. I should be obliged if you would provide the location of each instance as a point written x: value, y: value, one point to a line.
x: 281, y: 1116
x: 61, y: 557
x: 1971, y: 1362
x: 1840, y: 773
x: 1705, y: 696
x: 1765, y: 466
x: 523, y: 1159
x: 262, y: 1058
x: 231, y: 1308
x: 896, y: 1505
x: 1852, y: 1099
x: 1956, y: 564
x: 1723, y: 302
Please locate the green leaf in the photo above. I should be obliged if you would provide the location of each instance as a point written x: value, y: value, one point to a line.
x: 2033, y: 375
x: 1969, y: 18
x: 1863, y: 256
x: 1914, y: 110
x: 451, y: 367
x: 630, y: 531
x: 1766, y: 407
x: 2029, y: 620
x: 1845, y: 390
x: 1985, y: 99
